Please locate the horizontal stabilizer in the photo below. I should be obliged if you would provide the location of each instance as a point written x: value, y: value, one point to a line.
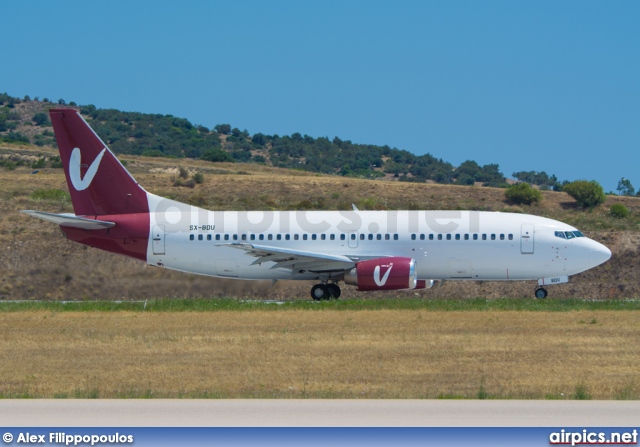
x: 71, y: 220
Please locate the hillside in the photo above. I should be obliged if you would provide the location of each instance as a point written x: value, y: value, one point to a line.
x: 39, y: 263
x: 154, y: 135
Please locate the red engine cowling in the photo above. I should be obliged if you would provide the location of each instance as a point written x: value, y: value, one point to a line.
x: 393, y: 273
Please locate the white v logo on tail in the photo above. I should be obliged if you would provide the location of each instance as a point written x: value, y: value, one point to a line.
x: 376, y: 275
x: 79, y: 183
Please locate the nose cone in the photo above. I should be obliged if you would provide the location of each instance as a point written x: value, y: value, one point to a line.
x: 599, y: 254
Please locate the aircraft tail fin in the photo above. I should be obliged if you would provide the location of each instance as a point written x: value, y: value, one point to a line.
x: 97, y: 181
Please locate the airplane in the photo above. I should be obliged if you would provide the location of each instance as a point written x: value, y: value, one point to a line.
x: 372, y: 250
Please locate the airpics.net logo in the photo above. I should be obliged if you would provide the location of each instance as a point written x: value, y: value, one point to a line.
x: 588, y: 437
x: 75, y: 162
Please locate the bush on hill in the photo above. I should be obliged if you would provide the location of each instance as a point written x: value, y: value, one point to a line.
x: 587, y: 194
x: 522, y: 194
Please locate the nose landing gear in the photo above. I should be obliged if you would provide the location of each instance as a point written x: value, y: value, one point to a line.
x: 541, y: 293
x: 325, y: 291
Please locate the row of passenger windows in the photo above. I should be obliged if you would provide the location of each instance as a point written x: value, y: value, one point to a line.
x: 352, y: 236
x: 288, y: 237
x: 458, y: 237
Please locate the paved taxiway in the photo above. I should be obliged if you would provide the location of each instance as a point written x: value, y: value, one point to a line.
x: 317, y: 413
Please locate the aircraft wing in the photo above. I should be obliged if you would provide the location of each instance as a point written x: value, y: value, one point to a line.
x: 295, y: 259
x: 71, y: 220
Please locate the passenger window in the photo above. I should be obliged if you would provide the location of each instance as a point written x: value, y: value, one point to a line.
x: 270, y: 237
x: 208, y: 237
x: 493, y: 237
x: 342, y: 237
x: 191, y: 237
x: 395, y: 237
x: 217, y: 237
x: 313, y: 237
x: 353, y: 237
x: 387, y: 237
x: 466, y: 237
x: 200, y: 237
x: 371, y: 237
x: 244, y: 237
x: 431, y: 237
x: 475, y: 237
x: 449, y: 236
x: 502, y: 237
x: 484, y: 237
x: 287, y: 237
x: 323, y: 237
x: 439, y: 237
x: 332, y: 237
x: 457, y: 237
x: 226, y: 237
x: 511, y: 237
x: 379, y: 237
x: 422, y: 237
x: 362, y: 237
x: 279, y: 237
x: 413, y: 237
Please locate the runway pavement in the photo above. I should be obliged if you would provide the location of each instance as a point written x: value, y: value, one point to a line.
x: 317, y: 413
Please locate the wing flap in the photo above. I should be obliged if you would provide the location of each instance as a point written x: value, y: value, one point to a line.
x: 298, y: 259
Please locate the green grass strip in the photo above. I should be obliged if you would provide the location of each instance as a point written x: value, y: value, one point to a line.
x: 235, y: 304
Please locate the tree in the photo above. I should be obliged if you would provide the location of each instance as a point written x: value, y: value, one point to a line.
x: 224, y: 129
x: 522, y: 194
x: 625, y: 188
x: 216, y: 155
x: 40, y: 118
x: 587, y: 194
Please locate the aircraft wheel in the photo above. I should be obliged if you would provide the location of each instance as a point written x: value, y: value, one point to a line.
x: 541, y: 293
x: 334, y: 290
x: 320, y: 292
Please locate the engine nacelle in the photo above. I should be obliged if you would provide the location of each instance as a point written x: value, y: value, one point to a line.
x: 425, y: 283
x: 392, y: 273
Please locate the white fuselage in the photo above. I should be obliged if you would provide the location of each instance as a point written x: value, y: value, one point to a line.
x: 461, y: 245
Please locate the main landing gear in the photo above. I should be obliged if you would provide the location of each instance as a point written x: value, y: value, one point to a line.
x: 541, y: 293
x: 325, y: 291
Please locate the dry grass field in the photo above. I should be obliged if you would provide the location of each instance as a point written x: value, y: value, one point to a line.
x: 289, y: 353
x: 321, y: 354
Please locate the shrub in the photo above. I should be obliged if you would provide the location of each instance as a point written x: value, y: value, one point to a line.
x: 587, y: 194
x: 522, y: 194
x: 41, y: 119
x: 619, y: 210
x: 198, y: 177
x: 216, y: 155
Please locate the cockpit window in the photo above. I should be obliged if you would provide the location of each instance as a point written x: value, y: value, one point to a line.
x: 568, y: 234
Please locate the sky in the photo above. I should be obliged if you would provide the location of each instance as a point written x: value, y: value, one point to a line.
x: 539, y: 85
